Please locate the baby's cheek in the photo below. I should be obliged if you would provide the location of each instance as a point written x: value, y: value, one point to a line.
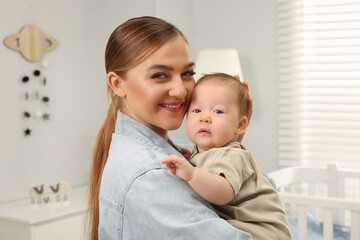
x: 224, y: 135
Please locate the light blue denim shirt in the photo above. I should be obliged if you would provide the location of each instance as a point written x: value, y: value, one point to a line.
x: 140, y: 199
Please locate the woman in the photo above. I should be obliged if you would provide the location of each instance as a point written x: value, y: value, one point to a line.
x: 132, y: 196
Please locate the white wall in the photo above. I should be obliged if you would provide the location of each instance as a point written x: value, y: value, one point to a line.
x: 250, y: 27
x: 61, y: 148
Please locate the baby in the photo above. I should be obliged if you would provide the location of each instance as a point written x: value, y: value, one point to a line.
x: 220, y: 169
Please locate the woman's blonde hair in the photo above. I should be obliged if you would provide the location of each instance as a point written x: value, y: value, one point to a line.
x: 129, y: 45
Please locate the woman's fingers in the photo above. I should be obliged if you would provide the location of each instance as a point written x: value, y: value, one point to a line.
x: 250, y: 107
x: 185, y: 152
x: 250, y: 110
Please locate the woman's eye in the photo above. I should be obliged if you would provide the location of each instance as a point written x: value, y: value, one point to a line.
x: 188, y: 74
x: 218, y: 112
x: 159, y: 76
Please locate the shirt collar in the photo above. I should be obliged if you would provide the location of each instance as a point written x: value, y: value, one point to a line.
x: 128, y: 126
x: 233, y: 144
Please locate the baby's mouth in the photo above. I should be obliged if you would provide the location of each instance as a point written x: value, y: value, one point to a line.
x: 203, y: 130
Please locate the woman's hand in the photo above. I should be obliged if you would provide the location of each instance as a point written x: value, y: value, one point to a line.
x: 185, y: 152
x: 250, y: 107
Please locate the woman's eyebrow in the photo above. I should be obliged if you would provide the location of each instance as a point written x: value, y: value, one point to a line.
x: 161, y: 66
x: 190, y: 65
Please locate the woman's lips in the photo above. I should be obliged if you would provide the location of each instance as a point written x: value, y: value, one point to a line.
x: 172, y: 107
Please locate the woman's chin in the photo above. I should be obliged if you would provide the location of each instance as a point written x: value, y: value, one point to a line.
x: 174, y: 126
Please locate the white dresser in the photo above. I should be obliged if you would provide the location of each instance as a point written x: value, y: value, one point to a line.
x: 53, y: 221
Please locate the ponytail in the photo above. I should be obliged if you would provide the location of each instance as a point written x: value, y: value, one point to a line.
x: 130, y: 44
x: 100, y: 155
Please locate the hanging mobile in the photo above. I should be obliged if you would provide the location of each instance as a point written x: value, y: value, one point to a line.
x: 27, y: 132
x: 46, y: 116
x: 45, y: 99
x: 36, y: 73
x: 25, y: 79
x: 39, y: 114
x: 27, y: 114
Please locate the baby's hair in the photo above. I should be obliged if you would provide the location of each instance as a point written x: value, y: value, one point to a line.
x: 234, y: 83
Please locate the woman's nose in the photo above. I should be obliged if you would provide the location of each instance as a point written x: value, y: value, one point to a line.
x: 177, y: 88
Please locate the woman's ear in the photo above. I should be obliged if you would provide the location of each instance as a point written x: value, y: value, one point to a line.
x: 116, y: 83
x: 242, y: 126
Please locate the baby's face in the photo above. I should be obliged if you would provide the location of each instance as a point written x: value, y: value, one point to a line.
x: 213, y: 117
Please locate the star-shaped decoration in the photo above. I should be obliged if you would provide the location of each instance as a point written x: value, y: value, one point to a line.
x: 27, y: 132
x: 46, y: 116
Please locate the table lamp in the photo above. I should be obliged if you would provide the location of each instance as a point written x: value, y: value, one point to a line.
x: 224, y: 60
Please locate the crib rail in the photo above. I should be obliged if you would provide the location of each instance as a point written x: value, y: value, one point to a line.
x: 333, y: 204
x: 291, y: 175
x: 303, y: 203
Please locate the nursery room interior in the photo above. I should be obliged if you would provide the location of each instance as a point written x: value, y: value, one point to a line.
x: 301, y: 59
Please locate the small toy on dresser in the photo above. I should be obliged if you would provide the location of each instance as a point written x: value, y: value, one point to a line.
x: 61, y: 191
x: 59, y: 194
x: 35, y: 193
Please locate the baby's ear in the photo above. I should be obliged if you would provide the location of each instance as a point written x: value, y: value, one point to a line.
x: 116, y: 83
x: 242, y: 126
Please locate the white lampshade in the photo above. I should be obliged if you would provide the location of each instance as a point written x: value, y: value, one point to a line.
x: 224, y: 60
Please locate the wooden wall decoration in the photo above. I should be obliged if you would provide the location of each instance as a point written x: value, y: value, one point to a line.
x: 31, y: 42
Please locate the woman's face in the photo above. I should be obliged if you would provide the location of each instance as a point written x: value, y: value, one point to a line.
x: 157, y: 92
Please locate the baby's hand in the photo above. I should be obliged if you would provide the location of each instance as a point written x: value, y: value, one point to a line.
x: 179, y: 166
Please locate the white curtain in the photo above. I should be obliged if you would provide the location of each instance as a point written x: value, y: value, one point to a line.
x: 319, y: 82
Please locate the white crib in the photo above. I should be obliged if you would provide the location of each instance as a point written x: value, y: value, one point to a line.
x: 299, y: 189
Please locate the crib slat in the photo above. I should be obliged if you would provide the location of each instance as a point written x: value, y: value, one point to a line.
x: 355, y: 222
x: 336, y: 201
x: 302, y: 222
x: 328, y: 223
x: 293, y: 207
x: 335, y: 188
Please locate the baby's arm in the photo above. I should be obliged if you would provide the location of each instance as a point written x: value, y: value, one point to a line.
x: 213, y: 188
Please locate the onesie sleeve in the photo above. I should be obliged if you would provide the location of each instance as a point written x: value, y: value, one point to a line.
x: 231, y: 163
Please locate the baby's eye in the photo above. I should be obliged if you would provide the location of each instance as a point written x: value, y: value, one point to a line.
x: 196, y: 110
x: 218, y: 112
